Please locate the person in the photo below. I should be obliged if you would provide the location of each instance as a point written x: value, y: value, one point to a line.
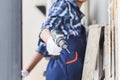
x: 65, y: 16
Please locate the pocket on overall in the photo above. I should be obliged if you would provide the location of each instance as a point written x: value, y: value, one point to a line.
x: 72, y: 57
x: 74, y: 66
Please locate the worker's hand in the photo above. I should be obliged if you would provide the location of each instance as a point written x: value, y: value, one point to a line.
x: 24, y: 73
x: 52, y: 48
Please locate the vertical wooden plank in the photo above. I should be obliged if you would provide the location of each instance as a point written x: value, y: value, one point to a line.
x: 116, y: 41
x: 118, y: 35
x: 91, y: 52
x: 96, y: 72
x: 107, y: 53
x: 113, y: 40
x: 107, y: 45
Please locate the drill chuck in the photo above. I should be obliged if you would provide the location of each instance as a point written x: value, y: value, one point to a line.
x: 58, y: 38
x: 61, y: 42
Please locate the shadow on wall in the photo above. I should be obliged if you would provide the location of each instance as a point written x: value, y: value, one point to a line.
x: 42, y: 9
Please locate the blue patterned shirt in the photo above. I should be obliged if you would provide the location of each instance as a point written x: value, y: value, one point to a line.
x: 65, y: 16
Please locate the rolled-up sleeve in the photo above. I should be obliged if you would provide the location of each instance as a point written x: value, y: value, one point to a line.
x: 42, y: 48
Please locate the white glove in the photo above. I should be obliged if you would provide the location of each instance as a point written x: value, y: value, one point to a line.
x: 24, y: 73
x: 52, y: 48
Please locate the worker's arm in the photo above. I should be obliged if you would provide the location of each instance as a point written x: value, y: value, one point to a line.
x: 45, y: 34
x: 54, y: 20
x: 33, y: 63
x: 51, y: 46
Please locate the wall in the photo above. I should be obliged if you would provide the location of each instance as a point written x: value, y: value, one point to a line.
x: 10, y: 39
x: 98, y: 10
x: 32, y: 21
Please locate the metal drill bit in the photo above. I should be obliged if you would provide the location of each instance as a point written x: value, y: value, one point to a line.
x: 67, y: 50
x: 65, y: 47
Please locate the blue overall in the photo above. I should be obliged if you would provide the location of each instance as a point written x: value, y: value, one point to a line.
x: 68, y: 66
x: 65, y: 16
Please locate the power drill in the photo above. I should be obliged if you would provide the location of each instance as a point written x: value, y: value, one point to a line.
x: 59, y: 39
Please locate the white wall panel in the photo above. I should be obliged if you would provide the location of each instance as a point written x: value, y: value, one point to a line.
x: 98, y: 10
x: 32, y: 21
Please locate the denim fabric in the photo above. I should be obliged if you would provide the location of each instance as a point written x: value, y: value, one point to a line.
x: 57, y: 69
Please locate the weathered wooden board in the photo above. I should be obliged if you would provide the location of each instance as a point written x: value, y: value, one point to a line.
x: 91, y: 52
x: 107, y: 53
